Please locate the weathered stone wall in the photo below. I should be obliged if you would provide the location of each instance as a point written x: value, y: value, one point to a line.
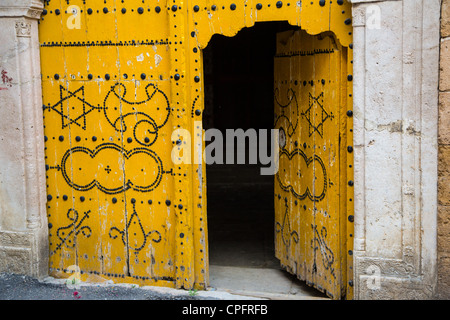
x: 443, y: 285
x: 395, y: 94
x: 23, y: 220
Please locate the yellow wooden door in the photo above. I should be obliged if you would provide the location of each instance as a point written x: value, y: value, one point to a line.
x: 310, y: 186
x: 108, y: 123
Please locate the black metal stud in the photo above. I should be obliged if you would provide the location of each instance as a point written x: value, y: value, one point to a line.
x: 147, y: 140
x: 259, y: 6
x: 105, y: 10
x: 56, y: 76
x: 350, y: 113
x: 198, y: 112
x: 65, y: 197
x: 44, y: 12
x: 279, y: 4
x: 322, y: 3
x: 233, y: 6
x: 50, y: 225
x: 168, y: 202
x: 82, y: 199
x: 150, y: 201
x: 49, y: 197
x: 178, y: 142
x: 143, y: 76
x: 157, y: 9
x: 61, y: 138
x: 180, y: 206
x: 181, y: 235
x: 123, y: 10
x: 196, y: 78
x: 89, y: 11
x: 129, y: 140
x: 90, y: 76
x: 114, y: 200
x: 176, y: 77
x: 133, y: 200
x: 213, y: 7
x: 340, y: 2
x: 348, y: 21
x: 174, y: 8
x: 57, y: 12
x: 350, y: 183
x: 193, y: 34
x: 351, y: 218
x: 107, y: 77
x: 350, y: 283
x: 350, y: 149
x: 349, y: 77
x: 196, y: 8
x: 140, y: 10
x: 94, y: 138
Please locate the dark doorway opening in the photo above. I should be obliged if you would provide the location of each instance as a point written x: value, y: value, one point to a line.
x: 239, y: 80
x: 239, y: 94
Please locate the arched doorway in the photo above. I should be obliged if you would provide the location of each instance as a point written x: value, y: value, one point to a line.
x: 114, y: 91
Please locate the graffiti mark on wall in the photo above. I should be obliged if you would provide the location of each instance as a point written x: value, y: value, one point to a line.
x: 6, y: 80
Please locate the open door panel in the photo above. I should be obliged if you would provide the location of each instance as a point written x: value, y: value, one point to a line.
x: 309, y: 89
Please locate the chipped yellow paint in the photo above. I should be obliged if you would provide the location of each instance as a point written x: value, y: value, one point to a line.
x: 114, y: 91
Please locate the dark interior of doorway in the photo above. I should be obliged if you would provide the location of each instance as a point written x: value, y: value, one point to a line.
x: 239, y: 81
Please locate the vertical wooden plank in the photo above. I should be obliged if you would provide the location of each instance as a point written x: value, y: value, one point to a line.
x: 287, y: 98
x: 349, y: 216
x: 146, y: 111
x: 198, y: 174
x: 313, y: 164
x: 327, y: 108
x: 307, y: 121
x: 194, y: 109
x: 180, y: 94
x: 294, y: 133
x: 283, y: 109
